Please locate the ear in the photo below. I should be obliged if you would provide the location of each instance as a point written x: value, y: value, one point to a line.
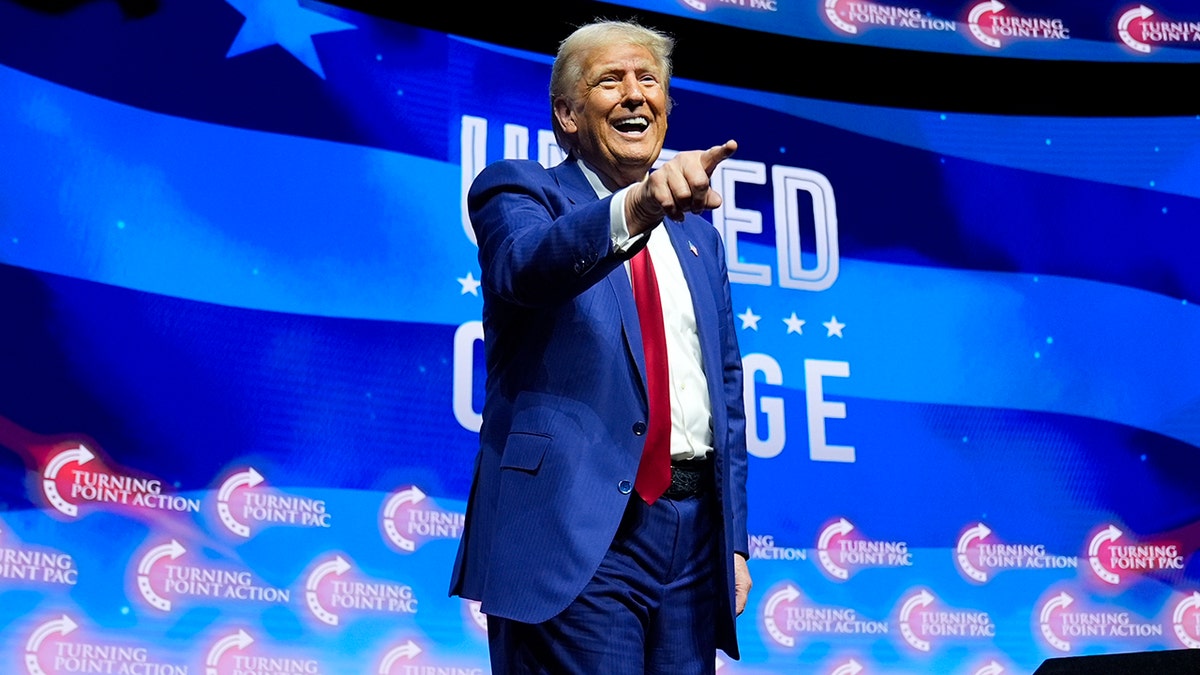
x: 565, y: 115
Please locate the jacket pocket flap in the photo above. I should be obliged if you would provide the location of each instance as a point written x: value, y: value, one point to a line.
x: 524, y: 451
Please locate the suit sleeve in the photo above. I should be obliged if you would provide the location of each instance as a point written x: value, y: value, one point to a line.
x: 536, y: 249
x: 731, y: 361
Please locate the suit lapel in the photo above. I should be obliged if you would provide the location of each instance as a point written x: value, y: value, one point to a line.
x: 694, y: 261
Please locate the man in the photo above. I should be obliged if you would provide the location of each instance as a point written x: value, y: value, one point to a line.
x: 587, y: 556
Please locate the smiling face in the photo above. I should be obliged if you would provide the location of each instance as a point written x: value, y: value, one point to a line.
x: 617, y: 118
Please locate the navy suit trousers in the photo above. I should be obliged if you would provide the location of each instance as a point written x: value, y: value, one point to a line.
x: 651, y: 608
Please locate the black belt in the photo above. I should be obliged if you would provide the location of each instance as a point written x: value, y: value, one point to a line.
x: 689, y: 478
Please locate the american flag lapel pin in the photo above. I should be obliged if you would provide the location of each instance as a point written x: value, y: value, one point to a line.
x: 692, y: 248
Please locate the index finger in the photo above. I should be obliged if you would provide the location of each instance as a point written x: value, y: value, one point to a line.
x: 714, y: 155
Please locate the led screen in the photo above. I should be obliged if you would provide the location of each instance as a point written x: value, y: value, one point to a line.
x: 241, y: 369
x: 1108, y: 30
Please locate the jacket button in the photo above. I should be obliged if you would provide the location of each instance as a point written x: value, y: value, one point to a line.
x: 639, y: 428
x: 625, y: 487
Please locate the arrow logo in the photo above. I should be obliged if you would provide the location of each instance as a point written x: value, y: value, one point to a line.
x: 248, y: 478
x: 841, y: 528
x: 977, y: 12
x: 480, y: 619
x: 412, y: 495
x: 239, y: 641
x: 1192, y: 602
x: 1140, y: 12
x: 1109, y: 535
x: 408, y: 650
x: 977, y: 533
x: 851, y: 667
x: 787, y: 594
x: 922, y: 599
x: 172, y: 550
x: 337, y: 566
x: 79, y: 455
x: 1060, y: 601
x: 832, y: 15
x: 62, y: 625
x: 992, y: 668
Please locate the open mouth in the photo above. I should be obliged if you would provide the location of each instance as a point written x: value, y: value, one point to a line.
x: 632, y: 125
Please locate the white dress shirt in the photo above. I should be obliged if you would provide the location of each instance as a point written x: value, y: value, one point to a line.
x: 691, y: 409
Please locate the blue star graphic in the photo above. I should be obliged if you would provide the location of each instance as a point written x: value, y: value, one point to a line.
x: 284, y: 23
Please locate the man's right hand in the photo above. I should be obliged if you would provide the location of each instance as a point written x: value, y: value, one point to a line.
x: 678, y: 187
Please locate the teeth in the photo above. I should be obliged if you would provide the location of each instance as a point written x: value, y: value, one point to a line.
x: 632, y: 124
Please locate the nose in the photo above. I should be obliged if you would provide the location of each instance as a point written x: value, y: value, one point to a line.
x: 633, y: 96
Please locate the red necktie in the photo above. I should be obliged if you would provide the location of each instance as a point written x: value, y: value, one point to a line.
x: 654, y: 472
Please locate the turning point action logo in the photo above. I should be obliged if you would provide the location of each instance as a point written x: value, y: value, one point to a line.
x: 763, y: 547
x: 1059, y: 626
x: 840, y: 554
x: 990, y: 24
x: 1138, y: 32
x: 326, y: 592
x: 49, y: 652
x: 1108, y: 559
x: 847, y: 16
x: 240, y: 502
x: 160, y: 577
x: 65, y: 488
x: 977, y: 558
x: 919, y: 624
x: 785, y: 617
x: 408, y: 520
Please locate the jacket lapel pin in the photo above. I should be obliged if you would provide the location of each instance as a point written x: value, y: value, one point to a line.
x: 692, y: 248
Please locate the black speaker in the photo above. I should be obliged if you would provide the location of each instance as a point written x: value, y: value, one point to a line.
x: 1171, y: 662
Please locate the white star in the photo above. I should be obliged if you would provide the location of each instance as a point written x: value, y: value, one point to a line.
x: 795, y: 324
x: 469, y: 284
x: 749, y: 319
x: 284, y: 23
x: 833, y: 326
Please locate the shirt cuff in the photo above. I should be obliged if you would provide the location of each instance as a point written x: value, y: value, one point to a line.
x: 622, y: 242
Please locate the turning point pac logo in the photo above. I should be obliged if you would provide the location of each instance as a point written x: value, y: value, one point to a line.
x: 328, y: 593
x: 73, y: 475
x: 991, y: 23
x: 1109, y: 559
x: 706, y: 5
x: 839, y: 554
x: 921, y: 623
x: 242, y: 502
x: 38, y: 566
x: 408, y: 520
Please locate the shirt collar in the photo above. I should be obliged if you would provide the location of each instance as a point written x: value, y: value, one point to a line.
x: 593, y: 179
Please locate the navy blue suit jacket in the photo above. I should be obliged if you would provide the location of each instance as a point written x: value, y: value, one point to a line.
x: 566, y: 405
